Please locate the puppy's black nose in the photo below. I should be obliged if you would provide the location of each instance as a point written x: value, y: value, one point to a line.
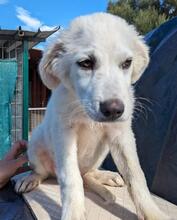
x: 112, y: 108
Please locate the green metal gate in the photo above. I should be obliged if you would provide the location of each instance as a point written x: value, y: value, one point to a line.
x: 14, y: 57
x: 8, y: 76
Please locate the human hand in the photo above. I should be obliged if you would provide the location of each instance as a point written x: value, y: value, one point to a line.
x: 13, y: 162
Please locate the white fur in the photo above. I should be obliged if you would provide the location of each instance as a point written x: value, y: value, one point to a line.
x: 73, y: 133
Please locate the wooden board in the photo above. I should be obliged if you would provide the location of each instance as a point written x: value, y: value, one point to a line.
x: 46, y: 204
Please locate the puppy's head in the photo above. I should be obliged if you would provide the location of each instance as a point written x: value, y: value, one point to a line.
x: 98, y: 58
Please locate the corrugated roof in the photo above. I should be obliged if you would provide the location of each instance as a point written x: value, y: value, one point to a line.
x: 19, y: 35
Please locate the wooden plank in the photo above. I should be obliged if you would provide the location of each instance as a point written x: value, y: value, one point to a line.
x: 46, y: 204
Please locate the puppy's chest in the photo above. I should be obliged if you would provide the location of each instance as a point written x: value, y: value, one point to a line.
x: 88, y: 140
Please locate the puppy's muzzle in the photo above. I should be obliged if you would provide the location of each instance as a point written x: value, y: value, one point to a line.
x: 112, y: 109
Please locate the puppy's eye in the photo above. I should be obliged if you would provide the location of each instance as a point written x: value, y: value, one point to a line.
x: 126, y: 64
x: 86, y: 64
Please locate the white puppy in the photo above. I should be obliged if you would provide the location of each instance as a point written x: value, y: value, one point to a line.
x: 90, y: 69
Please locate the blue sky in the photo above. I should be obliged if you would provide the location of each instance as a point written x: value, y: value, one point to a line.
x: 31, y: 14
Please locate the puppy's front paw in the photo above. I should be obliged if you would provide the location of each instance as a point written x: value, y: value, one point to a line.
x: 108, y: 178
x: 152, y: 215
x: 74, y: 215
x: 28, y: 183
x: 73, y: 212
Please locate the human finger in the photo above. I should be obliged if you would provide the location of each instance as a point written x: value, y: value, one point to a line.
x: 17, y: 148
x: 23, y: 169
x: 20, y: 161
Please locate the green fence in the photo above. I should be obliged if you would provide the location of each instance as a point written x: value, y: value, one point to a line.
x: 8, y: 75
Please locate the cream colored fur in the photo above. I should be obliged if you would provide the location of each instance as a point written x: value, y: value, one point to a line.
x: 73, y: 139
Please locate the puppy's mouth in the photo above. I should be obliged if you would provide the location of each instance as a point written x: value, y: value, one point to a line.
x: 99, y: 117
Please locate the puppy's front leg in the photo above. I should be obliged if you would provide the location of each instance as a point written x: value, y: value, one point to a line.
x: 124, y: 153
x: 68, y: 174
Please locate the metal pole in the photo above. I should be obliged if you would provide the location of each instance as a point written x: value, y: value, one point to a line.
x: 25, y: 89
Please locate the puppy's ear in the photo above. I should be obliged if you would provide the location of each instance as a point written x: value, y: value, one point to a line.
x: 48, y: 65
x: 141, y: 59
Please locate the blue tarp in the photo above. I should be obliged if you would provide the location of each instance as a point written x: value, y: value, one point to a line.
x: 156, y: 127
x: 8, y: 74
x: 157, y: 135
x: 13, y: 206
